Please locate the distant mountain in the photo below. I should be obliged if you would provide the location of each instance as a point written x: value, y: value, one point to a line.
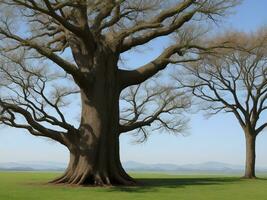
x: 32, y: 166
x: 136, y: 166
x: 213, y: 166
x: 216, y: 167
x: 201, y: 167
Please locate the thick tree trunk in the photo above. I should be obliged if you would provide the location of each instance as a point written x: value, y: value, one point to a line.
x: 94, y: 150
x: 96, y: 167
x: 250, y: 156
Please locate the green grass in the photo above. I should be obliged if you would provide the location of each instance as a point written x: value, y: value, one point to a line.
x: 32, y: 186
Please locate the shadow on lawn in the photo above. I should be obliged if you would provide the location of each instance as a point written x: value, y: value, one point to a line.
x: 152, y: 184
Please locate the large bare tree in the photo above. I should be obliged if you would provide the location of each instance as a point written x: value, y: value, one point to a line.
x: 234, y: 81
x: 85, y: 40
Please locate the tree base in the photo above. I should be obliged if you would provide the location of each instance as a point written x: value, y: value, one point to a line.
x: 248, y: 177
x: 87, y: 179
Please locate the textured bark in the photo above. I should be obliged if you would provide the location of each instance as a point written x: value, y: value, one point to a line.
x: 94, y: 150
x: 250, y: 156
x: 89, y: 167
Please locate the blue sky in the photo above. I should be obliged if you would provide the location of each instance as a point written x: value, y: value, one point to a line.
x: 215, y: 139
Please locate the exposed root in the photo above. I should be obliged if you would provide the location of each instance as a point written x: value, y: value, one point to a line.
x: 104, y: 171
x: 60, y: 179
x: 88, y: 179
x: 83, y: 178
x: 249, y: 177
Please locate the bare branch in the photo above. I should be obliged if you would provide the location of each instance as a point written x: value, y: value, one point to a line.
x: 149, y: 105
x: 25, y: 93
x: 68, y: 67
x: 33, y: 125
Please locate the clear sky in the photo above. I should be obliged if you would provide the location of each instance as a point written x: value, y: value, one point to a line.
x: 215, y: 139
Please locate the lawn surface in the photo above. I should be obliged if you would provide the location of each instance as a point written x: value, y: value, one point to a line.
x: 32, y: 186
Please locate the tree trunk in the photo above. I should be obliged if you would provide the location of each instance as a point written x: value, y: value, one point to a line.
x: 97, y: 166
x: 94, y: 150
x: 250, y: 156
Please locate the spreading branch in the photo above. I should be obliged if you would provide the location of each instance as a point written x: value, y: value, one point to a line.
x: 29, y: 95
x: 150, y: 106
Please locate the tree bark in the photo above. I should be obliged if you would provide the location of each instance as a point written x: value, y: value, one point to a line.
x: 94, y: 150
x: 250, y: 156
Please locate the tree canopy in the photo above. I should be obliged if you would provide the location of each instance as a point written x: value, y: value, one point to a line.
x: 53, y: 49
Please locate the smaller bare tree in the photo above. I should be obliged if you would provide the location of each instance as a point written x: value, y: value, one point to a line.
x: 234, y: 80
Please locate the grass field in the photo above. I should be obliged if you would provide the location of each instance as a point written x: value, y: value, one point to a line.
x: 32, y: 186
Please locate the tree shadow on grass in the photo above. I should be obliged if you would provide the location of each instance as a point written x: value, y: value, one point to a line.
x: 153, y: 184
